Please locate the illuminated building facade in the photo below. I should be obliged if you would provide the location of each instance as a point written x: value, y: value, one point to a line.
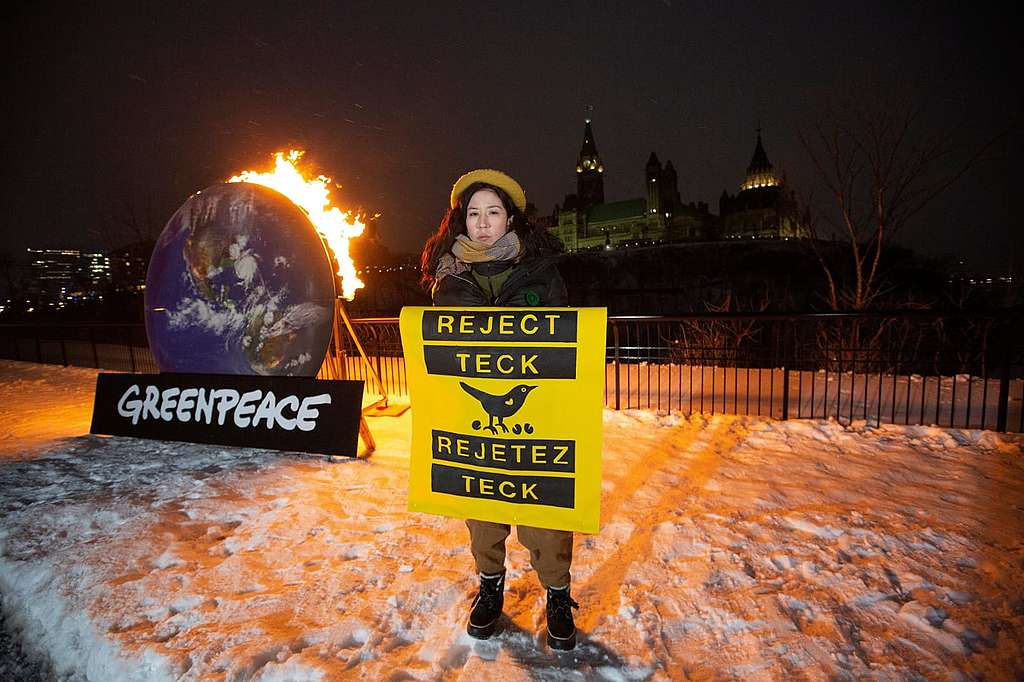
x: 129, y: 264
x: 585, y: 221
x: 764, y: 208
x: 62, y: 275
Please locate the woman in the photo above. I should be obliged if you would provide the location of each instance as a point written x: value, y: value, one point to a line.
x: 486, y: 253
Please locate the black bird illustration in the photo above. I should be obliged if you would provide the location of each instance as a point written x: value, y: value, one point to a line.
x: 499, y: 406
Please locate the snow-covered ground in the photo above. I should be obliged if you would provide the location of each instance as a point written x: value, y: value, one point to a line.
x: 731, y: 547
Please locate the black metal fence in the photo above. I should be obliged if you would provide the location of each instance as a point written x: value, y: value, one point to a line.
x: 118, y: 347
x: 960, y: 370
x: 382, y: 343
x: 907, y: 368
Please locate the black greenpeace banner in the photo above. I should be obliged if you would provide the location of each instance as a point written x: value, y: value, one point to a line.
x: 297, y: 414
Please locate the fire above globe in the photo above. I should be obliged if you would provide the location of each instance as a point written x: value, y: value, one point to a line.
x: 240, y: 283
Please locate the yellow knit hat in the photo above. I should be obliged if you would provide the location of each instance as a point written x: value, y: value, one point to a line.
x: 495, y: 178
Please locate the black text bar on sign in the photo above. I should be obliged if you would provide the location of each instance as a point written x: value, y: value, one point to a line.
x: 547, y: 456
x: 501, y: 362
x: 542, y: 326
x: 544, y: 490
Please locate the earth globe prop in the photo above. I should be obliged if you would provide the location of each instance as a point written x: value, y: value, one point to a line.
x: 240, y: 282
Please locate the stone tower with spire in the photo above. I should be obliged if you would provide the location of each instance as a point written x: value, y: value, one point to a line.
x: 661, y: 183
x: 652, y: 178
x: 764, y: 208
x: 589, y: 170
x: 760, y: 172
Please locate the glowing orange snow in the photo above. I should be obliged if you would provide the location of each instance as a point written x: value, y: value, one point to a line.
x: 335, y: 226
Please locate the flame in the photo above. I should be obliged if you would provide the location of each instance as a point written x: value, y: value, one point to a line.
x: 312, y: 196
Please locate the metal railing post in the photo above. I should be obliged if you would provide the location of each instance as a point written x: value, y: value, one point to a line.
x: 615, y: 340
x: 785, y: 376
x: 95, y: 353
x: 131, y: 349
x: 376, y: 352
x: 1004, y: 383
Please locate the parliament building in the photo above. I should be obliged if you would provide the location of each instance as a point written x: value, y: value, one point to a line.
x: 764, y: 208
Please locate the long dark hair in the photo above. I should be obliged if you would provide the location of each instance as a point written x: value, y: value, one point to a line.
x: 535, y: 241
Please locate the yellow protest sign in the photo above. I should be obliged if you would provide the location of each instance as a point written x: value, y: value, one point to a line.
x: 506, y: 413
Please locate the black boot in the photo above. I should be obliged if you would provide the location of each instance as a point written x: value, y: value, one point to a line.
x: 561, y: 629
x: 483, y: 619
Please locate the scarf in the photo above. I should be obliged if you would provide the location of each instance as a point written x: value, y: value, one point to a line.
x: 465, y: 252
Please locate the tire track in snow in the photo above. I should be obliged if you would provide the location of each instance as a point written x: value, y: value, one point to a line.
x: 670, y: 450
x: 681, y: 438
x: 600, y: 593
x: 526, y: 608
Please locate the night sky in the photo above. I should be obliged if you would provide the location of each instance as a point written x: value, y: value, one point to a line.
x: 114, y: 110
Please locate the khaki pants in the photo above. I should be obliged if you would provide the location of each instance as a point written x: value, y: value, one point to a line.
x: 550, y: 550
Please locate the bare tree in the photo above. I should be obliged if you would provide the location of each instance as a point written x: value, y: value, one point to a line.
x: 879, y: 168
x: 722, y: 340
x: 127, y: 222
x: 8, y: 266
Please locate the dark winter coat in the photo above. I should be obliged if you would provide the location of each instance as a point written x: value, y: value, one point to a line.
x: 534, y: 282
